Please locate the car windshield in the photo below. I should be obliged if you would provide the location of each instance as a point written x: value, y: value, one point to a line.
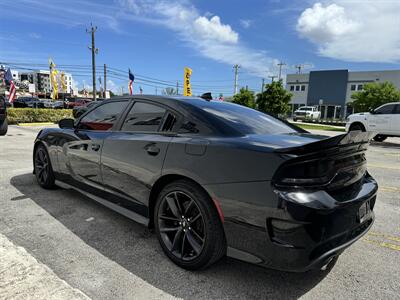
x: 306, y: 108
x: 247, y: 120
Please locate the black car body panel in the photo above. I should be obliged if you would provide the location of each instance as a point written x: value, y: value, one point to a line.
x: 288, y: 199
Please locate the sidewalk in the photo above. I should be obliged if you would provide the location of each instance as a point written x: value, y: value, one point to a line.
x: 23, y: 277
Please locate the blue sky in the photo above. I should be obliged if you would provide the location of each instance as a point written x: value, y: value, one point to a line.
x: 159, y: 38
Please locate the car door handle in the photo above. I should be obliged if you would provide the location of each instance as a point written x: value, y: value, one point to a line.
x: 152, y: 149
x: 95, y: 147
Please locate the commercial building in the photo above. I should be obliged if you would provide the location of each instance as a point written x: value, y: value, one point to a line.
x: 41, y: 80
x: 331, y: 90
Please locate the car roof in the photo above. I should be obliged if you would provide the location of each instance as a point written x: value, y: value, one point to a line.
x: 172, y: 101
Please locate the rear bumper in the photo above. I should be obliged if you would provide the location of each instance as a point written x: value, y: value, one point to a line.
x: 298, y: 231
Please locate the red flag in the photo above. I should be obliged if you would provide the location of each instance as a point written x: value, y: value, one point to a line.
x: 131, y: 80
x: 13, y: 93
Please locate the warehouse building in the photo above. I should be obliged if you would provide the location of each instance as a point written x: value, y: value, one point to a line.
x: 331, y: 90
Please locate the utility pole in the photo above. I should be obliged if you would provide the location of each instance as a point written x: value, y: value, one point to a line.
x: 262, y: 85
x: 272, y: 77
x: 177, y: 87
x: 94, y: 52
x: 100, y: 87
x: 235, y: 84
x: 105, y: 81
x: 280, y: 65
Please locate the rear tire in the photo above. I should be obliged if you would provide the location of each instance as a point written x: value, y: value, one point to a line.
x: 355, y: 127
x: 380, y: 138
x: 4, y: 128
x: 43, y: 169
x: 188, y: 226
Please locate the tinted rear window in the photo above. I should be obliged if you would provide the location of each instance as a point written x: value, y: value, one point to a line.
x: 246, y: 120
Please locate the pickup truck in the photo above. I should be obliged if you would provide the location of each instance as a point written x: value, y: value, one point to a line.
x: 384, y: 120
x: 306, y: 112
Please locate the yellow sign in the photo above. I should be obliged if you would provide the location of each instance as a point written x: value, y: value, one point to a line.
x: 187, y: 89
x: 53, y: 79
x: 63, y: 82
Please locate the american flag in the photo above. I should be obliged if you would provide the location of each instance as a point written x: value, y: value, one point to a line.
x: 131, y: 80
x: 13, y: 92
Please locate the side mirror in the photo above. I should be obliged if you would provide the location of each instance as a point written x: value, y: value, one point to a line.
x: 66, y: 123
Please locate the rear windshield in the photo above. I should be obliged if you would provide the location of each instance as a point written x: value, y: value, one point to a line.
x: 246, y: 120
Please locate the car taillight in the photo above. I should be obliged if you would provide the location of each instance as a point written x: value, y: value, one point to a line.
x: 305, y: 173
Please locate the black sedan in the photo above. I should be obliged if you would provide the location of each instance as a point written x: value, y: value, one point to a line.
x: 215, y: 179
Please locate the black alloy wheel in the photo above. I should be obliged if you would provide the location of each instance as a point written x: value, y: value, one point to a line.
x: 181, y: 225
x: 188, y: 226
x: 43, y: 169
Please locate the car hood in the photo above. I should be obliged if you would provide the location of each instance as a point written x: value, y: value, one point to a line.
x: 359, y: 114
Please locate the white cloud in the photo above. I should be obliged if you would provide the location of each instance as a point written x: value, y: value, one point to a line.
x: 245, y: 23
x: 35, y: 35
x: 212, y: 29
x: 206, y: 34
x: 362, y: 31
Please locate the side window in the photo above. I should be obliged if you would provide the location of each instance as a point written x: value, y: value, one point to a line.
x: 297, y: 88
x: 384, y: 110
x: 144, y: 117
x: 353, y: 87
x: 397, y: 109
x: 103, y: 117
x: 303, y: 88
x: 292, y: 87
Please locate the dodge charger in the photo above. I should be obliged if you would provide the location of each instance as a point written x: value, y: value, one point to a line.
x: 213, y: 179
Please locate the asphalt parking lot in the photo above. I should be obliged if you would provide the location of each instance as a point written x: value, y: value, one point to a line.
x: 107, y: 256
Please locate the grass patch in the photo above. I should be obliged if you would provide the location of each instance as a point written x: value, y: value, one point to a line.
x: 34, y: 115
x: 320, y: 127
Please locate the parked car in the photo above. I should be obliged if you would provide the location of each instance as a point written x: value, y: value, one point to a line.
x: 306, y: 112
x: 215, y: 178
x: 80, y: 110
x: 23, y: 102
x: 55, y: 104
x: 3, y: 116
x: 72, y: 102
x: 384, y: 121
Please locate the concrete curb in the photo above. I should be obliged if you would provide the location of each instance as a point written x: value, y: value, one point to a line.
x: 23, y: 277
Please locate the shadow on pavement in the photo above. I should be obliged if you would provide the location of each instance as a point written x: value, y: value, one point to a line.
x: 131, y: 246
x: 386, y: 145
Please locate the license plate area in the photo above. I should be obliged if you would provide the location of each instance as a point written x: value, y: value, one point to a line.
x: 364, y: 212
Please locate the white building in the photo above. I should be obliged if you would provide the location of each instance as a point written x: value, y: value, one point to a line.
x: 41, y: 79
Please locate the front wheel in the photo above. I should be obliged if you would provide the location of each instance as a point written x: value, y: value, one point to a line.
x: 188, y: 226
x: 43, y: 169
x: 357, y: 127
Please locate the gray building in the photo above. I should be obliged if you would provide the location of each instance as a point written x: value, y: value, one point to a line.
x: 331, y: 90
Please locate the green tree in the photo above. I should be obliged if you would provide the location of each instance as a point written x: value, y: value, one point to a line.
x: 275, y: 99
x: 374, y: 95
x: 245, y: 98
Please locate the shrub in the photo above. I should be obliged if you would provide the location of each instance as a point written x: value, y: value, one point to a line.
x: 33, y: 115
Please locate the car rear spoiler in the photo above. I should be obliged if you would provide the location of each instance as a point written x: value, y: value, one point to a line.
x: 352, y: 138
